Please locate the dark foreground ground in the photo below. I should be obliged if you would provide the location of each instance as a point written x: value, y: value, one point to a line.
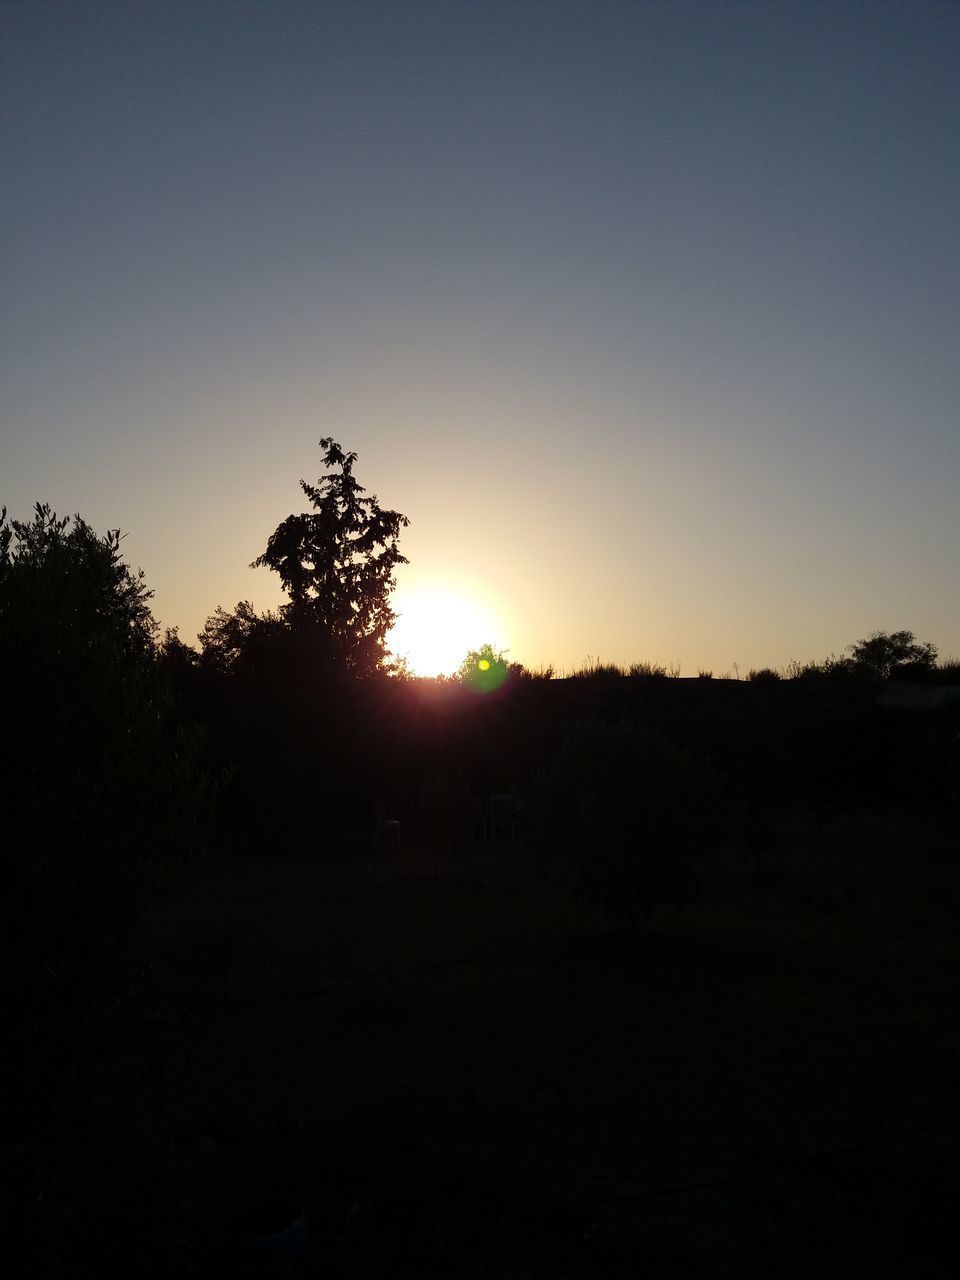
x: 457, y: 1075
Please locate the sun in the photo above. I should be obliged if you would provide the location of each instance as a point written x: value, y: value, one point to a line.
x: 435, y: 630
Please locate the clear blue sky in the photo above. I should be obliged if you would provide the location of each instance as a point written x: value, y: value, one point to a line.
x: 647, y: 315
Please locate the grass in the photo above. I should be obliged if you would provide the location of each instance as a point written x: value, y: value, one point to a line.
x: 593, y: 668
x: 459, y: 1075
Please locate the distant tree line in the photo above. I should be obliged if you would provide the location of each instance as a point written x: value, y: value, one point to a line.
x: 881, y: 656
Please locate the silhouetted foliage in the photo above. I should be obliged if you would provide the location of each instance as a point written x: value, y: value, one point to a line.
x: 283, y: 688
x: 484, y: 670
x: 241, y: 641
x: 796, y: 670
x: 594, y: 669
x: 647, y: 670
x: 337, y: 564
x: 101, y: 784
x: 178, y: 658
x: 882, y: 655
x: 519, y: 672
x: 269, y: 696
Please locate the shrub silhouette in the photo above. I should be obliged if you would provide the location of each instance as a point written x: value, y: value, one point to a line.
x: 96, y: 767
x: 594, y: 669
x: 242, y: 641
x: 763, y: 675
x: 484, y: 670
x: 883, y: 655
x: 619, y: 813
x: 647, y: 670
x: 102, y: 791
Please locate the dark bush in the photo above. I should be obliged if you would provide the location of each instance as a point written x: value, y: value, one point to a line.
x: 647, y: 670
x: 883, y: 655
x: 101, y: 787
x: 764, y: 675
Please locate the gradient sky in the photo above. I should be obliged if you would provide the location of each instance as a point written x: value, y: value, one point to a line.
x: 647, y: 315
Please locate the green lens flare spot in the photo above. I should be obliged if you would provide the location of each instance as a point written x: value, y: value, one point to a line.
x: 484, y: 670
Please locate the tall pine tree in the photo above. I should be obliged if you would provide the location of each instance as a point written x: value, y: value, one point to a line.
x: 337, y: 564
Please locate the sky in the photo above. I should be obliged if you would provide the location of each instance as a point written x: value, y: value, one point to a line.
x: 647, y: 315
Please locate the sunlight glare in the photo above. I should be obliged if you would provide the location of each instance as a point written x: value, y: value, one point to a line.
x: 435, y: 630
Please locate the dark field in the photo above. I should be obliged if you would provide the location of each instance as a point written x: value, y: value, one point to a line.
x: 459, y: 1074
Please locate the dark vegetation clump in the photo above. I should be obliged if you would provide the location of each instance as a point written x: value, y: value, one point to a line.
x: 102, y: 788
x: 105, y: 797
x: 647, y: 670
x: 594, y: 669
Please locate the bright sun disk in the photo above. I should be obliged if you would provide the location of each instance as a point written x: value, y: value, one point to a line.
x: 436, y: 630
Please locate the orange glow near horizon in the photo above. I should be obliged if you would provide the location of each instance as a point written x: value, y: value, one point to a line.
x: 436, y: 629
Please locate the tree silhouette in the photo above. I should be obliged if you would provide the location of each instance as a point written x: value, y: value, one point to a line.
x: 337, y: 565
x: 883, y: 654
x: 483, y: 670
x: 100, y: 786
x: 70, y: 587
x: 241, y: 640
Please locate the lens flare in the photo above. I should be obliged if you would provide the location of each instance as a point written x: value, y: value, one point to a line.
x: 488, y: 672
x: 435, y: 630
